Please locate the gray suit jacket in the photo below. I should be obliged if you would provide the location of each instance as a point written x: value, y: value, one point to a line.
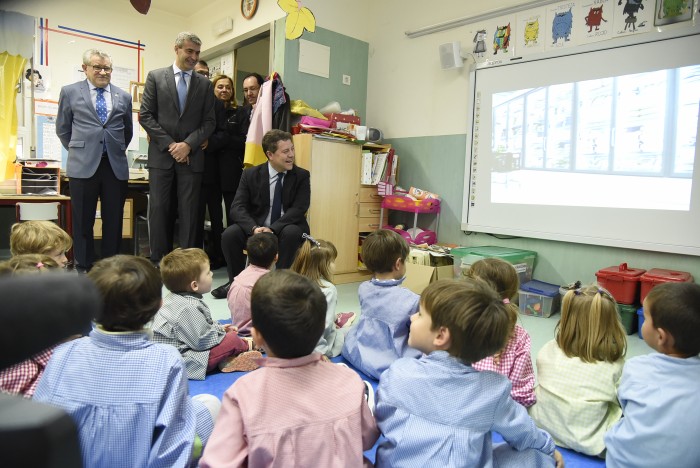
x: 81, y: 132
x: 160, y: 117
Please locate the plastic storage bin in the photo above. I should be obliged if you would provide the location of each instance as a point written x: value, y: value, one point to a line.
x: 621, y: 281
x: 522, y: 260
x: 640, y: 319
x: 539, y: 299
x: 628, y: 317
x: 659, y: 275
x: 401, y: 203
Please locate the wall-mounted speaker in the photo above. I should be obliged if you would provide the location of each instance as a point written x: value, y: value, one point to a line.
x: 223, y: 26
x: 451, y: 55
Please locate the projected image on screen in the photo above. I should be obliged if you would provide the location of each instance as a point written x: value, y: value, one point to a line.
x: 625, y: 141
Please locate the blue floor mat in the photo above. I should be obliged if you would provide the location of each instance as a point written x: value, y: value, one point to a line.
x: 217, y: 384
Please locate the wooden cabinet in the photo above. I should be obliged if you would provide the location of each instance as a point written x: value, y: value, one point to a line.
x: 341, y: 208
x: 127, y: 224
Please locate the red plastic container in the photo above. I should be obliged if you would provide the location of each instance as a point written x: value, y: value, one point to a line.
x: 621, y: 281
x: 659, y: 275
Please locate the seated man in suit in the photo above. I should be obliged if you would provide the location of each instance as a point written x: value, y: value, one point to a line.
x: 272, y: 197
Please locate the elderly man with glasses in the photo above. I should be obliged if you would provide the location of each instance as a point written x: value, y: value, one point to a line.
x: 94, y: 123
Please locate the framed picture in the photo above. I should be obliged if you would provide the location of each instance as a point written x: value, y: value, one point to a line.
x: 248, y: 8
x: 136, y: 90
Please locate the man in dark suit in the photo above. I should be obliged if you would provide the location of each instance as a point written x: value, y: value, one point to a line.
x: 177, y: 112
x: 254, y: 209
x: 94, y: 123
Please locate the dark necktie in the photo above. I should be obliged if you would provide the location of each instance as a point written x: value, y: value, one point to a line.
x: 101, y: 105
x: 277, y: 199
x: 182, y: 91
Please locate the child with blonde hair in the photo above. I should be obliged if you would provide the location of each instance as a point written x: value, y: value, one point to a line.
x: 514, y: 360
x: 659, y: 392
x: 262, y: 251
x: 23, y: 377
x: 184, y: 319
x: 578, y: 372
x: 438, y: 410
x: 316, y: 260
x: 40, y: 237
x: 381, y: 334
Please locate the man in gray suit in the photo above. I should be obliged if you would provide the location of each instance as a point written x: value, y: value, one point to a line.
x: 177, y: 112
x: 94, y: 123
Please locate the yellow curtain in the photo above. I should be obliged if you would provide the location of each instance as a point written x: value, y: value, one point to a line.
x: 11, y: 67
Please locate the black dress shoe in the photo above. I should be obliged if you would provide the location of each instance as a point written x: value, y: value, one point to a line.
x: 221, y: 291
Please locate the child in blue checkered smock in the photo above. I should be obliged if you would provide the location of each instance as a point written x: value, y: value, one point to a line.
x: 381, y: 334
x: 127, y: 395
x: 440, y: 411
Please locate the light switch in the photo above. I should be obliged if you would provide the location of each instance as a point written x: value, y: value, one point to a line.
x: 346, y: 80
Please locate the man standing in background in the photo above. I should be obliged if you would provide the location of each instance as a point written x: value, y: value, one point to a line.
x: 94, y: 124
x: 177, y: 112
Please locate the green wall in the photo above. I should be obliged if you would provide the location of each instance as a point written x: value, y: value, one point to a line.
x: 348, y: 57
x: 437, y: 164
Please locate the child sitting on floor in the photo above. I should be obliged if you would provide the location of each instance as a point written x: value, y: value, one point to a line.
x: 578, y: 372
x: 40, y: 237
x: 184, y: 319
x: 659, y: 392
x: 262, y: 254
x: 514, y: 361
x: 296, y: 410
x: 120, y: 388
x: 381, y: 334
x: 315, y: 260
x: 440, y: 411
x: 23, y: 377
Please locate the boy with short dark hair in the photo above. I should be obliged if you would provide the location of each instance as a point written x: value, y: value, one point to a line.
x: 120, y: 388
x: 659, y: 392
x: 184, y: 319
x: 262, y: 254
x: 296, y: 410
x: 440, y: 411
x: 381, y: 334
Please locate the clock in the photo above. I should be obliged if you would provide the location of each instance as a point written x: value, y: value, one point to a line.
x: 248, y: 8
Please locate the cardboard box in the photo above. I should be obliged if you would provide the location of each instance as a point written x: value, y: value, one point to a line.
x: 434, y: 267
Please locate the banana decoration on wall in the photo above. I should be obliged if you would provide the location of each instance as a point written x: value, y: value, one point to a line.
x: 298, y: 18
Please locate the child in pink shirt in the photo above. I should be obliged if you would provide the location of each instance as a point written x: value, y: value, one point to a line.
x: 296, y: 410
x: 515, y: 360
x: 262, y: 254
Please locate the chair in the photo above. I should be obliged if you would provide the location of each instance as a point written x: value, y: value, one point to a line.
x: 50, y: 211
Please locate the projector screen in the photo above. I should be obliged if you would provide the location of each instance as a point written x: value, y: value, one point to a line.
x: 598, y: 147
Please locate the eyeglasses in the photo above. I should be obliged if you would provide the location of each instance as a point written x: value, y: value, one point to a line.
x: 99, y: 69
x: 203, y: 73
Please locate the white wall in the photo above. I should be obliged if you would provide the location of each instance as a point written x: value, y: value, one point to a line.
x: 408, y: 94
x: 109, y: 18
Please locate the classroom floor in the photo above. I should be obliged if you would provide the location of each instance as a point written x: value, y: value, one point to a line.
x: 541, y: 330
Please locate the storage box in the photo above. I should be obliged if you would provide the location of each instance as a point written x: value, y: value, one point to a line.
x: 342, y: 121
x: 37, y: 180
x: 539, y: 299
x: 659, y: 275
x: 418, y: 277
x: 640, y: 319
x: 622, y: 282
x: 522, y: 260
x: 628, y: 317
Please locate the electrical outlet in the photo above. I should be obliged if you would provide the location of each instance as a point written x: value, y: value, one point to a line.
x: 346, y: 80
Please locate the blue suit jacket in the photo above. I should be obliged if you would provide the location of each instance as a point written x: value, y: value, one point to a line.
x: 82, y: 134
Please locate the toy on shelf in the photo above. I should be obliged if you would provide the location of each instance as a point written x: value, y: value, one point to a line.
x: 404, y: 203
